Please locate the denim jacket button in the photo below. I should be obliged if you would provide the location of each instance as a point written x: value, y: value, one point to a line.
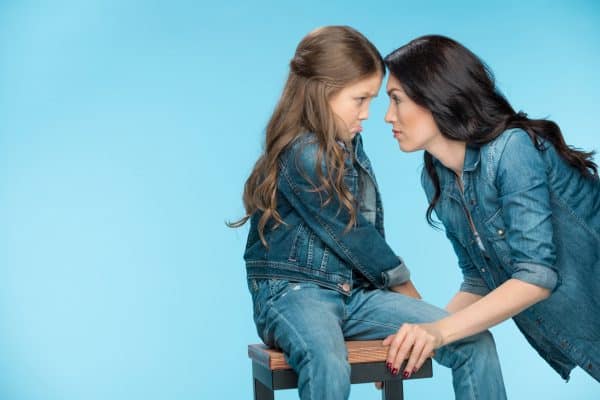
x: 482, y: 269
x: 345, y: 287
x: 501, y: 232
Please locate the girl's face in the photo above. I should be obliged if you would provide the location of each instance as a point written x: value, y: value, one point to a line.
x: 351, y: 103
x: 413, y: 126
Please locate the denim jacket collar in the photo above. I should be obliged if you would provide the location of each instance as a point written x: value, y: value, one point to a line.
x: 472, y: 157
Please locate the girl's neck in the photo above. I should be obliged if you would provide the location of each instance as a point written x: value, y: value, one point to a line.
x: 451, y: 153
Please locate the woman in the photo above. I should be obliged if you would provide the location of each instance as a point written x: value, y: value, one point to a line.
x: 520, y: 206
x: 319, y: 268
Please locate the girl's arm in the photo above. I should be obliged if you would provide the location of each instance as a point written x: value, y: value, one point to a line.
x: 407, y: 289
x: 361, y: 246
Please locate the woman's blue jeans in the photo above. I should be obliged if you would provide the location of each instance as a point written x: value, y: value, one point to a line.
x: 310, y: 323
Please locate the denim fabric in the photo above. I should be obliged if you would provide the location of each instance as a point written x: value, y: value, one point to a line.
x: 309, y: 323
x: 539, y: 221
x: 313, y: 244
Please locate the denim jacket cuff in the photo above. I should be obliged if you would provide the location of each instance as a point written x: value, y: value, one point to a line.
x: 474, y: 285
x: 536, y: 274
x: 396, y: 276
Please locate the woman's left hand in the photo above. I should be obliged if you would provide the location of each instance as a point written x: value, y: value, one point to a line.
x: 415, y: 342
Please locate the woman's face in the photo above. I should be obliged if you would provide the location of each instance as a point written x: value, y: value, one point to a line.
x: 413, y: 126
x: 351, y: 103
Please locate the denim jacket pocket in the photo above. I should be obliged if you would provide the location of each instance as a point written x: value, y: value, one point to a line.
x: 297, y: 242
x: 496, y: 236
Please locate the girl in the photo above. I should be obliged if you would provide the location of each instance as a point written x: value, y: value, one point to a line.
x: 521, y: 208
x: 319, y: 269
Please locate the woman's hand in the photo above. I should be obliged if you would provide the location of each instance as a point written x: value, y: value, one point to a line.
x: 415, y: 342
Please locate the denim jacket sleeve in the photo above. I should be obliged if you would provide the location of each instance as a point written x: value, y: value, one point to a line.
x: 362, y: 247
x: 525, y: 202
x: 472, y: 280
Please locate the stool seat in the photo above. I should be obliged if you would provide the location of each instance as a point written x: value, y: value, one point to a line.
x: 367, y: 360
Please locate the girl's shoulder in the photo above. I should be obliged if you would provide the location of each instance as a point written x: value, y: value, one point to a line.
x: 302, y: 152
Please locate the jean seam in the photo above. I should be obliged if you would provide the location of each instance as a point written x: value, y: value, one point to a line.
x: 304, y: 347
x: 468, y: 366
x: 391, y: 326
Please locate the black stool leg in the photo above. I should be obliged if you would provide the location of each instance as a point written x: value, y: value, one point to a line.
x: 392, y: 390
x: 261, y: 392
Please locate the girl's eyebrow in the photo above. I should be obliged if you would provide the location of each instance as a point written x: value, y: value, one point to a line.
x: 367, y: 94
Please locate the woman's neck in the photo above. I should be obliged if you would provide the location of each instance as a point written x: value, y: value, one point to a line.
x: 451, y: 153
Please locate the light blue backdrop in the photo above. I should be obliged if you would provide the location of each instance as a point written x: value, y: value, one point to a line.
x: 127, y: 130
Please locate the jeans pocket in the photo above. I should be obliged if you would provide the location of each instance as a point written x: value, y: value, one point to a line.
x: 266, y: 292
x: 276, y: 288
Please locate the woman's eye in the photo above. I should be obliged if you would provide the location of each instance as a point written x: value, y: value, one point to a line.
x: 396, y: 99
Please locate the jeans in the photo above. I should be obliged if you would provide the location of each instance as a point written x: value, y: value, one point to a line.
x: 309, y: 324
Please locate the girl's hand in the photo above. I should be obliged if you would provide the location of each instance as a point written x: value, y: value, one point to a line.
x: 415, y: 342
x: 407, y: 289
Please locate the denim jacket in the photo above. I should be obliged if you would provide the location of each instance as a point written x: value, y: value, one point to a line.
x: 536, y: 219
x: 313, y: 244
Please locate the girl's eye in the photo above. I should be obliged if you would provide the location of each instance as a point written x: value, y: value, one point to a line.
x: 360, y: 100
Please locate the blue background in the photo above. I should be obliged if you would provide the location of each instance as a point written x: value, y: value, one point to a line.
x: 127, y: 130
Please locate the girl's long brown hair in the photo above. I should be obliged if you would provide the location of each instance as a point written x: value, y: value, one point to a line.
x: 325, y: 61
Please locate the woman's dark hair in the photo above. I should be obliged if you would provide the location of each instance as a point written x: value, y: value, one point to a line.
x: 458, y: 89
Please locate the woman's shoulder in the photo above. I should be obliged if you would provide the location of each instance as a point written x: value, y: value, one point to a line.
x: 510, y: 147
x: 510, y: 137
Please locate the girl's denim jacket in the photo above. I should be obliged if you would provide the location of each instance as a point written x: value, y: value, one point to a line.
x: 313, y: 244
x: 536, y: 219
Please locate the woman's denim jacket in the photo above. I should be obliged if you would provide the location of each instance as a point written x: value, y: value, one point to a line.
x: 313, y: 243
x: 539, y: 221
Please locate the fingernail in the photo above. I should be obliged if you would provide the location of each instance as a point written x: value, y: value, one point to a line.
x: 406, y: 374
x: 414, y: 370
x: 395, y: 371
x: 388, y: 365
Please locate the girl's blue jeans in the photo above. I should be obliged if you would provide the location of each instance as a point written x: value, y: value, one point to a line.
x: 309, y: 324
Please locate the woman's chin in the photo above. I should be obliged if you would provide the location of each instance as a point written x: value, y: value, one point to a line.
x: 406, y: 148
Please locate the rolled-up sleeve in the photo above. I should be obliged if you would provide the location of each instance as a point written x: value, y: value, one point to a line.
x: 397, y: 275
x: 524, y: 196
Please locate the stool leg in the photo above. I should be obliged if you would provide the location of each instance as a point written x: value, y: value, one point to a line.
x: 392, y: 390
x: 261, y: 392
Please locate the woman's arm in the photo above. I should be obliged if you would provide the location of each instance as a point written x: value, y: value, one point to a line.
x: 524, y: 197
x: 417, y: 341
x: 461, y: 300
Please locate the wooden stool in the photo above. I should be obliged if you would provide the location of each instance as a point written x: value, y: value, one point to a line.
x: 367, y: 358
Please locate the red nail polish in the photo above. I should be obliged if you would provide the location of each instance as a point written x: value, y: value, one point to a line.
x: 414, y: 370
x: 395, y: 371
x: 406, y: 374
